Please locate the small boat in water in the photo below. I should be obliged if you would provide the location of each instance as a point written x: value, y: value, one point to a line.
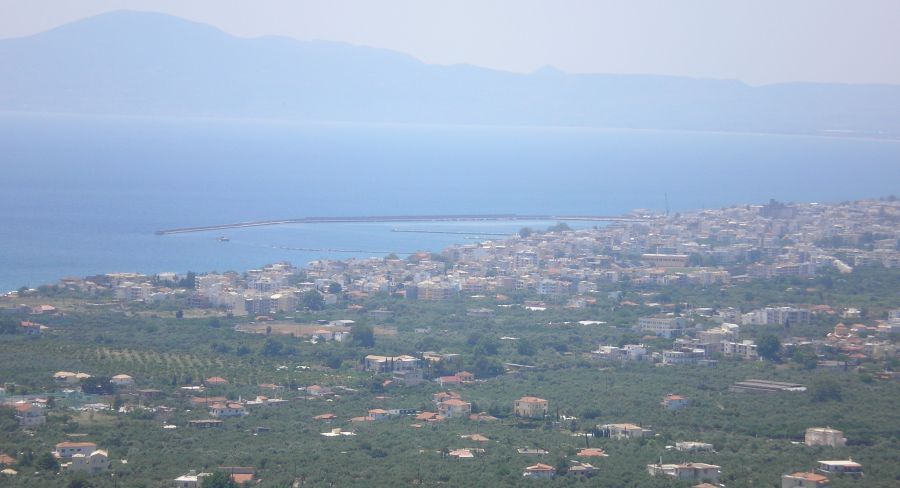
x: 223, y: 239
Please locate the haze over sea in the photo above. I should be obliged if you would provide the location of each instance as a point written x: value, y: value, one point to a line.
x: 82, y: 195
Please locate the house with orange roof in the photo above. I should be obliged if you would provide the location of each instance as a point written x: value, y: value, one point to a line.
x: 463, y: 377
x: 675, y: 402
x: 201, y: 401
x: 227, y: 409
x: 804, y: 480
x: 539, y: 471
x: 461, y: 454
x: 32, y: 328
x: 239, y: 474
x: 482, y: 417
x: 592, y: 452
x: 215, y: 381
x: 466, y: 377
x: 43, y: 308
x: 476, y: 438
x: 449, y: 381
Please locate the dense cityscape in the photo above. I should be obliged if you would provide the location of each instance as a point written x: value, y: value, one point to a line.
x: 620, y: 292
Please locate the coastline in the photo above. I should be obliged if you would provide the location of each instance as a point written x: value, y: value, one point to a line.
x: 822, y: 134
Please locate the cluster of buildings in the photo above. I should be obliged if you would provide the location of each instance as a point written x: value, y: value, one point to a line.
x: 858, y: 341
x: 715, y: 246
x: 701, y: 348
x: 700, y: 247
x: 450, y: 405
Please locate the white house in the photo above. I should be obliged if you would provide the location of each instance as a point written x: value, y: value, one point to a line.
x: 122, y: 380
x: 626, y: 431
x: 92, y: 463
x: 65, y: 450
x: 667, y: 327
x: 190, y: 480
x: 848, y: 467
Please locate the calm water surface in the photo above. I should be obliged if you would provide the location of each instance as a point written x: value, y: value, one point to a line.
x: 83, y: 195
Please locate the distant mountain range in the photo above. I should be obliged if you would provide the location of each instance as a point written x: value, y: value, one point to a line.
x: 136, y: 63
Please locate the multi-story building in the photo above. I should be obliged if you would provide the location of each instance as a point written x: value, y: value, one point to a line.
x: 667, y: 327
x: 95, y: 462
x: 744, y: 349
x: 848, y: 467
x: 454, y: 408
x: 531, y: 407
x: 825, y: 436
x: 784, y: 316
x: 435, y: 291
x: 686, y: 471
x: 65, y: 450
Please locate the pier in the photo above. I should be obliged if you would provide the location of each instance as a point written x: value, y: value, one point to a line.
x: 453, y: 232
x: 399, y: 218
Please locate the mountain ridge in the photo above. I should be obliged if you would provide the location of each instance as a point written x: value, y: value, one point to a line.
x: 139, y: 63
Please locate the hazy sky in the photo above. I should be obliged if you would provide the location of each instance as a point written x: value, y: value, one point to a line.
x: 757, y: 41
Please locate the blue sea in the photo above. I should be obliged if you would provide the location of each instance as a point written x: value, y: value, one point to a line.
x: 82, y: 195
